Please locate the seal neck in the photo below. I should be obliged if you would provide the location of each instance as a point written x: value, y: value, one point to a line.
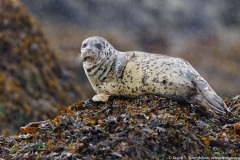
x: 101, y: 69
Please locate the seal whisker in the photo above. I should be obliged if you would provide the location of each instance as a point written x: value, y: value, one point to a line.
x: 78, y: 60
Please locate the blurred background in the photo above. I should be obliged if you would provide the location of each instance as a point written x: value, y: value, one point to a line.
x: 205, y: 33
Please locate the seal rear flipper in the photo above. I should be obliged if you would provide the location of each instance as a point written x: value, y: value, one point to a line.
x: 202, y: 101
x: 207, y: 97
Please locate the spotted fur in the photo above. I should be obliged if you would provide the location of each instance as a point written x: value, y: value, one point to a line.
x: 133, y: 73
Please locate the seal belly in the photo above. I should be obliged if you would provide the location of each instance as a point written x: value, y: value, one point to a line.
x: 158, y: 75
x: 163, y: 76
x: 128, y: 85
x: 132, y: 78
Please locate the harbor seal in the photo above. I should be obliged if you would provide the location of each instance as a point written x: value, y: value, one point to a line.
x: 133, y: 73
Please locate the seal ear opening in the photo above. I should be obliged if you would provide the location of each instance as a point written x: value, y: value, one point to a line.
x: 120, y: 63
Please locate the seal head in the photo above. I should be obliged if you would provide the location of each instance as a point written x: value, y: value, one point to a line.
x: 92, y: 48
x: 95, y: 50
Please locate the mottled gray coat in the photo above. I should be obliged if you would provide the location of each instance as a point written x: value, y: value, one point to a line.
x: 133, y: 73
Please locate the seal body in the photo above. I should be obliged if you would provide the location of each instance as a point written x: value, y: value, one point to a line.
x: 134, y: 73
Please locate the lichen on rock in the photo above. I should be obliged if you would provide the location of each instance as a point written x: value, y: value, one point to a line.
x: 33, y: 83
x: 147, y: 127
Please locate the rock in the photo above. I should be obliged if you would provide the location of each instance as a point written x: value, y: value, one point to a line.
x: 201, y: 124
x: 33, y: 83
x: 148, y: 127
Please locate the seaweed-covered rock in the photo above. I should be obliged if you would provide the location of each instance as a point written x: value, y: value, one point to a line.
x: 148, y: 127
x: 33, y: 83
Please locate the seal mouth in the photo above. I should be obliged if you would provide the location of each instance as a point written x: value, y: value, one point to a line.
x: 88, y: 58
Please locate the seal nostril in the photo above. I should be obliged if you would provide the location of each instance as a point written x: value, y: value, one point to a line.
x: 89, y: 50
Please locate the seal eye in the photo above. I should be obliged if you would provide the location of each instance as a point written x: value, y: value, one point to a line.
x: 84, y: 45
x: 98, y: 46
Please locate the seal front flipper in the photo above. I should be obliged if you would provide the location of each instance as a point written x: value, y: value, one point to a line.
x: 101, y: 97
x: 120, y: 63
